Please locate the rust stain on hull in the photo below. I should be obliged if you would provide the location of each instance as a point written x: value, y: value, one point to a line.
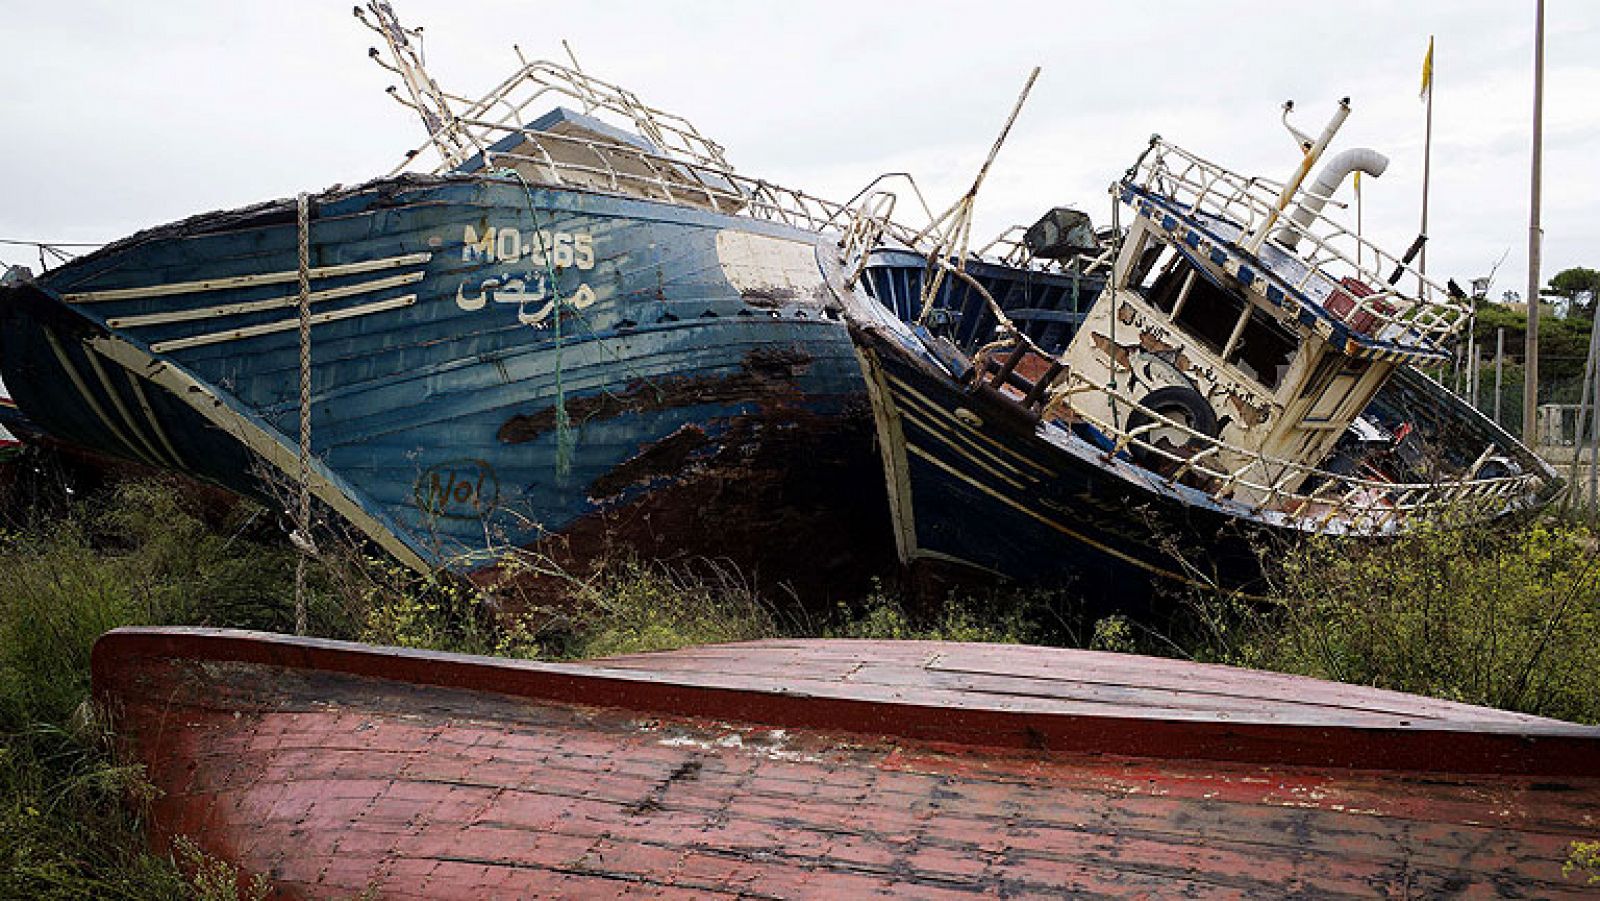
x: 786, y: 496
x: 765, y: 374
x: 660, y: 459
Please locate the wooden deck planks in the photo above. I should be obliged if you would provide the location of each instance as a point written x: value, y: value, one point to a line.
x: 1138, y: 683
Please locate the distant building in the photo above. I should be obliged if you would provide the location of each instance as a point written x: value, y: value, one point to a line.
x: 1550, y: 307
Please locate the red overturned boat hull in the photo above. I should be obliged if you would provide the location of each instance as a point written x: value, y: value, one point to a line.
x: 833, y: 769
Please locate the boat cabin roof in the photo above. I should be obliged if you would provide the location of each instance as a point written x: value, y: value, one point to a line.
x: 564, y: 122
x: 1314, y: 300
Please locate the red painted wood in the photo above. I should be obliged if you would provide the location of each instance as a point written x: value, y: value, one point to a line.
x: 1336, y: 731
x: 292, y: 758
x: 1062, y: 674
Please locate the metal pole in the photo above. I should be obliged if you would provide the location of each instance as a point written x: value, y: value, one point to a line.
x: 1581, y: 419
x: 1594, y: 425
x: 953, y: 241
x: 1472, y: 364
x: 1499, y: 362
x: 1530, y: 385
x: 1473, y: 369
x: 1311, y: 155
x: 589, y: 104
x: 1427, y: 162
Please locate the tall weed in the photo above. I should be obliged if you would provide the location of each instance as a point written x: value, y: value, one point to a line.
x: 142, y: 554
x: 632, y: 606
x: 1506, y: 617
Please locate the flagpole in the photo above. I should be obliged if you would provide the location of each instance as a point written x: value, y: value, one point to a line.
x: 1427, y: 155
x: 1530, y: 362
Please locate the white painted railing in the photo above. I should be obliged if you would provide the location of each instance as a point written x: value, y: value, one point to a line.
x: 685, y: 167
x: 1403, y: 304
x: 1226, y: 471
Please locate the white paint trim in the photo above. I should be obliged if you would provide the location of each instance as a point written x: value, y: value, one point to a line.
x: 256, y: 306
x: 243, y: 281
x: 155, y: 424
x: 251, y: 331
x: 892, y: 448
x: 1041, y: 470
x: 122, y: 409
x: 925, y: 554
x: 186, y: 388
x: 912, y: 406
x: 83, y: 391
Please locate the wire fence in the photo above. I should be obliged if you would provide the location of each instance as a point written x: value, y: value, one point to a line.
x: 1565, y: 433
x: 1553, y: 389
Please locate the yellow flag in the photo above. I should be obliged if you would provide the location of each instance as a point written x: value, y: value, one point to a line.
x: 1358, y: 181
x: 1427, y: 70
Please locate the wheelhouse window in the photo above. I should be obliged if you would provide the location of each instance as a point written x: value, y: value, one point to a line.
x: 1221, y: 320
x: 1208, y: 313
x: 1154, y: 257
x: 1265, y: 349
x: 1168, y: 284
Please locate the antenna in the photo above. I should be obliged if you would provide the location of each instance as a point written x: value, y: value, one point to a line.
x: 429, y: 102
x: 954, y: 240
x: 1488, y: 282
x: 583, y: 79
x: 1310, y: 153
x: 1304, y: 140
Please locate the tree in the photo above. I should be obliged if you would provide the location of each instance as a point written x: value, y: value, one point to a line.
x: 1563, y: 343
x: 1571, y: 283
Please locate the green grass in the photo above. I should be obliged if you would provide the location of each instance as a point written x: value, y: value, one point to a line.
x: 1505, y: 616
x: 70, y: 812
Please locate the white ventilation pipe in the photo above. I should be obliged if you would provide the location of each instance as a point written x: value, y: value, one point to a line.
x: 1356, y: 159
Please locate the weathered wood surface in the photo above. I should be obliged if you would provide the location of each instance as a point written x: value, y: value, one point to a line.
x: 818, y: 769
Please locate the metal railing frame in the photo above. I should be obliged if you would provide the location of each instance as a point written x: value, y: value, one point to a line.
x: 1195, y: 185
x: 1361, y: 504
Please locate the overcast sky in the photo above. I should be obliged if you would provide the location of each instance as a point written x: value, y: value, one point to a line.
x: 122, y: 115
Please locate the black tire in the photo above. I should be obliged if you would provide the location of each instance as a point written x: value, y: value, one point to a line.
x: 1181, y: 404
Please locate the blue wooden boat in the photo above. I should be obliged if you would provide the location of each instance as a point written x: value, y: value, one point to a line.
x: 1149, y: 408
x: 564, y: 335
x: 560, y: 331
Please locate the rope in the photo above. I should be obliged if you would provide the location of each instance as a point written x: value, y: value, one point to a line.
x: 21, y: 243
x: 566, y: 438
x: 566, y: 441
x: 302, y: 534
x: 54, y: 248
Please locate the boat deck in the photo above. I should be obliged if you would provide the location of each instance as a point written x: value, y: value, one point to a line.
x: 834, y: 769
